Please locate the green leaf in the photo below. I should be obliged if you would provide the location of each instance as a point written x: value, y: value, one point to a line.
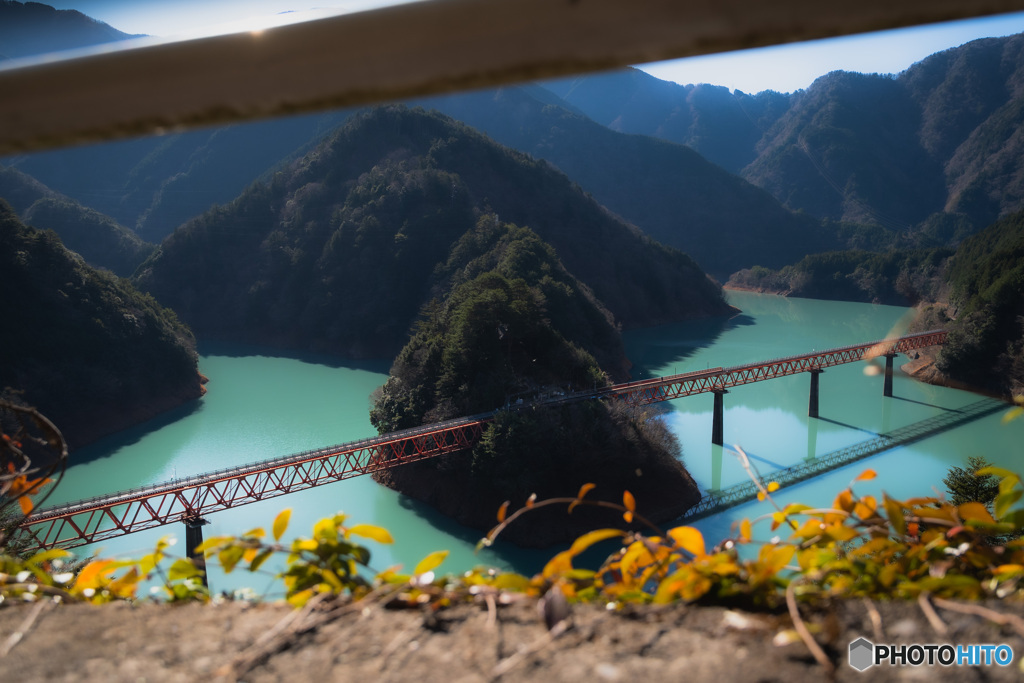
x: 1004, y: 501
x: 229, y: 557
x: 260, y: 558
x: 182, y: 569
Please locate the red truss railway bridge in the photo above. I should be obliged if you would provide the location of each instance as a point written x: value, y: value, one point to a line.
x: 188, y: 500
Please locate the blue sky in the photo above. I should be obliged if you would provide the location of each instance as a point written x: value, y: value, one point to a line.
x: 784, y: 68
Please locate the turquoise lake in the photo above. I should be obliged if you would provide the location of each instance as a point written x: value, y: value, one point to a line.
x: 263, y: 404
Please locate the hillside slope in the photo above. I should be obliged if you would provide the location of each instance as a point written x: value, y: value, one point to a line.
x: 87, y: 349
x: 337, y: 251
x: 99, y: 239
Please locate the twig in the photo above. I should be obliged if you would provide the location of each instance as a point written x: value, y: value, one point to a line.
x: 286, y: 631
x: 492, y: 610
x: 1011, y: 620
x: 876, y: 621
x: 929, y: 611
x: 396, y: 642
x: 515, y: 659
x: 25, y: 627
x: 801, y: 629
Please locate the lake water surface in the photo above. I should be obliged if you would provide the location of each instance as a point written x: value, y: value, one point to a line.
x: 261, y: 405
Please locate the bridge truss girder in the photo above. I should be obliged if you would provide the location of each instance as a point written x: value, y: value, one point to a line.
x: 122, y: 514
x: 720, y: 379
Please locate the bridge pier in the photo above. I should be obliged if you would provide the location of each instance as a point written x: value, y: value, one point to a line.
x: 194, y: 539
x: 812, y: 403
x: 887, y: 387
x: 716, y: 421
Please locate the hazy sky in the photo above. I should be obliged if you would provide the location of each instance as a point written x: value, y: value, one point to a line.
x: 784, y: 68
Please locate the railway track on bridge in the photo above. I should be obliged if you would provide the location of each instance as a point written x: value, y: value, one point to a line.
x: 125, y: 512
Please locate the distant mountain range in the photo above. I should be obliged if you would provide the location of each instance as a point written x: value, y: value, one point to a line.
x: 33, y: 28
x: 924, y: 158
x: 935, y: 149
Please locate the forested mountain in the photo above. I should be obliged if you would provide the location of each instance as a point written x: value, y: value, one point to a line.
x: 934, y: 151
x: 722, y: 126
x: 512, y: 324
x: 85, y: 347
x: 32, y: 28
x: 153, y: 185
x: 100, y: 240
x: 668, y: 190
x: 986, y: 339
x: 337, y: 251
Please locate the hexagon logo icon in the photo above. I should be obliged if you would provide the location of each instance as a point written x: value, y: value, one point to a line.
x: 862, y: 654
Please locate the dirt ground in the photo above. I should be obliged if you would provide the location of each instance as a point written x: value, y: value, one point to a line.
x: 470, y: 643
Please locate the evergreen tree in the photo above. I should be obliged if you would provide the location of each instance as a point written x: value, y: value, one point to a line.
x: 965, y: 486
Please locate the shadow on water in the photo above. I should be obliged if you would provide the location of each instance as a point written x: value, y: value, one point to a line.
x: 237, y: 350
x: 647, y: 348
x: 930, y: 405
x: 848, y: 426
x: 110, y: 445
x: 766, y: 461
x: 526, y: 561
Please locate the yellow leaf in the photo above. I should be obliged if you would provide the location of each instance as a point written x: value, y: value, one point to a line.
x: 1012, y: 414
x: 590, y: 538
x: 745, y: 531
x: 866, y: 475
x: 689, y: 539
x: 325, y: 530
x: 301, y: 598
x: 376, y: 533
x: 47, y: 555
x: 969, y: 511
x: 584, y: 490
x: 841, y: 532
x: 212, y: 542
x: 844, y: 501
x: 26, y: 505
x: 629, y: 502
x: 761, y: 496
x: 502, y: 511
x: 558, y: 565
x: 636, y: 554
x: 281, y: 523
x: 773, y: 486
x: 92, y: 574
x: 430, y: 562
x: 628, y: 516
x: 894, y: 510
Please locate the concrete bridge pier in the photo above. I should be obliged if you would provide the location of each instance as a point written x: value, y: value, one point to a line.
x: 887, y: 387
x: 812, y: 403
x: 716, y: 421
x: 193, y: 539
